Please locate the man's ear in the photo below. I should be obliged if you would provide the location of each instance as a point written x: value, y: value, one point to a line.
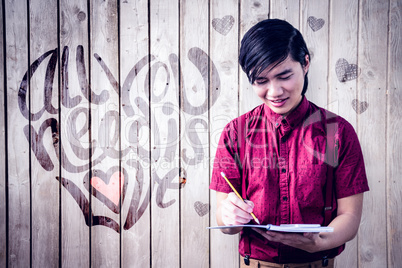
x: 307, y: 64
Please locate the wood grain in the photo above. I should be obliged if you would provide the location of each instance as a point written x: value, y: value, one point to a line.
x: 74, y: 230
x: 343, y: 44
x: 194, y: 38
x: 164, y: 101
x: 3, y: 153
x: 44, y: 188
x: 251, y: 12
x: 105, y: 242
x: 18, y: 147
x: 343, y: 33
x: 171, y: 55
x: 371, y: 126
x: 318, y: 45
x: 288, y: 10
x: 393, y: 139
x: 224, y: 54
x: 136, y: 234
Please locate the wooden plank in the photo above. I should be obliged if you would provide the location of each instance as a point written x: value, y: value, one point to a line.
x: 224, y: 107
x: 135, y: 144
x: 314, y: 27
x: 74, y: 132
x: 343, y: 46
x: 3, y: 153
x: 164, y: 88
x: 17, y: 143
x: 251, y: 12
x: 341, y: 91
x: 394, y: 120
x: 288, y: 10
x: 194, y: 60
x: 106, y: 181
x: 372, y: 89
x: 44, y: 96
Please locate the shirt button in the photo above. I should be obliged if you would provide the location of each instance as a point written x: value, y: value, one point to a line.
x: 285, y: 198
x: 283, y: 170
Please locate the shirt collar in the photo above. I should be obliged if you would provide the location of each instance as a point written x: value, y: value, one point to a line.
x: 292, y: 119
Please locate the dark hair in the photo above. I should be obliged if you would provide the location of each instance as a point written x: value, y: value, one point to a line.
x: 270, y: 42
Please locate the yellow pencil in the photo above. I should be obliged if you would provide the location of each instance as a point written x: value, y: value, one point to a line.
x: 239, y: 196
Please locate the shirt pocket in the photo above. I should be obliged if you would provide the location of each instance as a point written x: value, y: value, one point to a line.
x: 310, y: 182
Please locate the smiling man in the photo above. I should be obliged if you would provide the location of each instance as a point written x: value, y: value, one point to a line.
x: 276, y: 154
x: 280, y: 88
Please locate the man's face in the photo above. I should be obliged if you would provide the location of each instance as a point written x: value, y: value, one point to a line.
x: 281, y: 87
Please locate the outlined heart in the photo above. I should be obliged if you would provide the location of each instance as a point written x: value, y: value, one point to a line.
x: 314, y: 23
x: 110, y: 190
x: 345, y: 71
x: 109, y: 187
x: 224, y: 25
x: 359, y: 106
x: 201, y: 208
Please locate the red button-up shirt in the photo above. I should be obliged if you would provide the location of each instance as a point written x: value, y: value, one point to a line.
x: 285, y: 171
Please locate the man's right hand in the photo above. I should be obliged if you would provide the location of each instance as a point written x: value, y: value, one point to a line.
x: 231, y: 210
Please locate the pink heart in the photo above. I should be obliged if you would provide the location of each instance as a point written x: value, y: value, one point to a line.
x: 110, y: 190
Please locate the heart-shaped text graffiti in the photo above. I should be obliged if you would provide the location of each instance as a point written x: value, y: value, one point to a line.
x: 105, y: 186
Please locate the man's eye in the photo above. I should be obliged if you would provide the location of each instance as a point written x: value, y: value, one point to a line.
x: 260, y: 82
x: 285, y: 77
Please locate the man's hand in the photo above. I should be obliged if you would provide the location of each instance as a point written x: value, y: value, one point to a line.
x: 345, y: 227
x: 231, y: 210
x: 236, y: 211
x: 309, y: 242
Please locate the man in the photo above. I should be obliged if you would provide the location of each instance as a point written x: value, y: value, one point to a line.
x: 284, y: 166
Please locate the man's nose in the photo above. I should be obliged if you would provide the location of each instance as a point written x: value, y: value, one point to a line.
x: 274, y: 90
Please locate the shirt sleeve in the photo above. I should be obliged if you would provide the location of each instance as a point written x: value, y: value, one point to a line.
x: 350, y: 174
x: 225, y: 161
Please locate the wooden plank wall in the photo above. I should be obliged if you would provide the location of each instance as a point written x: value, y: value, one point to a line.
x: 3, y: 159
x: 343, y: 36
x: 73, y: 41
x: 394, y: 117
x: 111, y: 112
x: 18, y: 187
x: 223, y: 110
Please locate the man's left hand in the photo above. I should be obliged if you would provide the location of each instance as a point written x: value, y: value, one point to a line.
x: 309, y: 242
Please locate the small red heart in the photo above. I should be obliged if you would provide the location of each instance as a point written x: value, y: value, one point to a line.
x: 110, y: 190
